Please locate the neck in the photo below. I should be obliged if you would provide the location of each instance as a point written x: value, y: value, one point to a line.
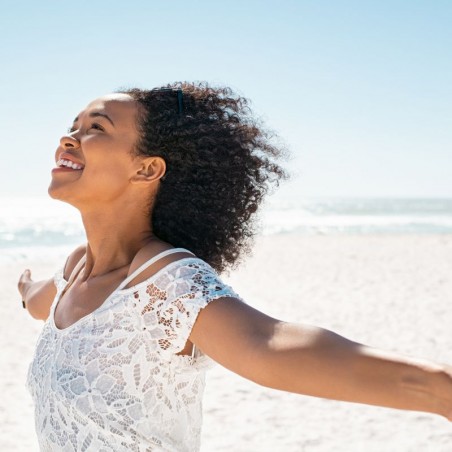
x: 115, y: 235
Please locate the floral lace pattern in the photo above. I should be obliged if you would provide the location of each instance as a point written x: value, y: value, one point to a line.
x: 113, y: 380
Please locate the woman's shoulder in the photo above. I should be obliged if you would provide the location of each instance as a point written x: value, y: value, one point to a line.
x: 165, y: 255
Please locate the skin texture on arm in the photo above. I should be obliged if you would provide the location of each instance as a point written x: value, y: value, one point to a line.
x: 39, y: 295
x: 313, y: 361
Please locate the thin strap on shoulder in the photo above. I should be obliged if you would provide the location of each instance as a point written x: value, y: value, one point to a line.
x: 76, y: 270
x: 151, y: 261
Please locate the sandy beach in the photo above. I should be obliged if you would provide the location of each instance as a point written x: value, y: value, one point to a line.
x: 388, y: 291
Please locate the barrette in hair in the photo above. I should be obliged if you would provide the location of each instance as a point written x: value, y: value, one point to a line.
x: 180, y: 101
x: 180, y: 97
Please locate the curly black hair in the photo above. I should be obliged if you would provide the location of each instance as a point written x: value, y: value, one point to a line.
x: 220, y: 163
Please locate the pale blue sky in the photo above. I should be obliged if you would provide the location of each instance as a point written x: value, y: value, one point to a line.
x: 360, y: 91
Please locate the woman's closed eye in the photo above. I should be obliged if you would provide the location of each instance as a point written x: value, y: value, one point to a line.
x: 97, y: 126
x: 94, y: 126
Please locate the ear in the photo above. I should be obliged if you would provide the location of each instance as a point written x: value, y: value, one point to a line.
x: 151, y: 169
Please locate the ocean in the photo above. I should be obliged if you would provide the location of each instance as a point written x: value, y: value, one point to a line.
x: 33, y: 228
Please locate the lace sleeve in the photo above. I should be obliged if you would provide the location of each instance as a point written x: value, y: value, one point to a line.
x: 173, y: 302
x: 58, y: 279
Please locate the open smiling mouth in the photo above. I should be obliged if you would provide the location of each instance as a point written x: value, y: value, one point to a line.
x: 67, y: 164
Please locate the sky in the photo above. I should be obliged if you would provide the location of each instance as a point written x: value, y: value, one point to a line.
x: 360, y: 92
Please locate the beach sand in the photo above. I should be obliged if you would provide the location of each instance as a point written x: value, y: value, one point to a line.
x: 388, y: 291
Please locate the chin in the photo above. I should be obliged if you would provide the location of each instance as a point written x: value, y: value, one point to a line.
x: 53, y: 191
x: 59, y: 194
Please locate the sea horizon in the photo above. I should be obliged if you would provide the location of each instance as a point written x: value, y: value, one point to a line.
x: 31, y: 225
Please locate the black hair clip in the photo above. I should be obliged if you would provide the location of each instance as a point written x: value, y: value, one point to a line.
x: 180, y: 97
x: 180, y: 101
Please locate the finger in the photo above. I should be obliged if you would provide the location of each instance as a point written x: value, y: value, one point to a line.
x: 26, y: 274
x: 24, y: 278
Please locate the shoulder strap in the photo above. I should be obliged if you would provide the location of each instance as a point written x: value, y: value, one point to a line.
x: 151, y: 261
x: 76, y: 270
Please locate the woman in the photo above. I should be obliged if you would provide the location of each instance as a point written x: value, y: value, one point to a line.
x: 167, y: 182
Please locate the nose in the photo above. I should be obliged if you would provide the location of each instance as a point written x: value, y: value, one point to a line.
x: 68, y: 141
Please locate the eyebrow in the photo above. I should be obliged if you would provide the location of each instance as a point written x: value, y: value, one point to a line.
x: 96, y: 114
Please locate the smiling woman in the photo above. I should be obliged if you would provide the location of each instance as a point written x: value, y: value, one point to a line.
x: 168, y: 182
x: 98, y: 146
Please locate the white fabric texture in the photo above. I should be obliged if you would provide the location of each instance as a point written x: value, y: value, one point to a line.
x: 112, y: 381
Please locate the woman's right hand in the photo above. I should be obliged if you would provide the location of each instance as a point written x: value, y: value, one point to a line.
x: 37, y: 295
x: 24, y: 283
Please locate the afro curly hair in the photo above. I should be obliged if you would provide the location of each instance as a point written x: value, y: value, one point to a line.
x: 220, y: 164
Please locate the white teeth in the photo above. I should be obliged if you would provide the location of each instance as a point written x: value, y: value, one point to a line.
x: 69, y: 164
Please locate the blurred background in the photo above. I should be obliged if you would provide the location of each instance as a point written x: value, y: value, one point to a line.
x: 357, y: 241
x: 360, y: 92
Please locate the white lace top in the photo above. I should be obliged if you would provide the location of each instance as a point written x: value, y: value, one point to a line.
x: 112, y: 381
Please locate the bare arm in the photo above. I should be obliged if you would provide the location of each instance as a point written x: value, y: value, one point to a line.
x: 38, y: 295
x: 313, y: 361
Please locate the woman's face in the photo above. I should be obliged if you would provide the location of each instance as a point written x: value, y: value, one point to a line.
x: 94, y: 162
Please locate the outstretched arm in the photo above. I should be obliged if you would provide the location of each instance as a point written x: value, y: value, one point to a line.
x: 38, y: 295
x: 313, y: 361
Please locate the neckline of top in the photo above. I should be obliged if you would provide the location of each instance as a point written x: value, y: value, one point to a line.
x: 116, y: 291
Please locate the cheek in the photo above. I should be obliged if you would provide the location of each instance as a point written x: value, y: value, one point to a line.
x: 107, y: 159
x: 110, y: 171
